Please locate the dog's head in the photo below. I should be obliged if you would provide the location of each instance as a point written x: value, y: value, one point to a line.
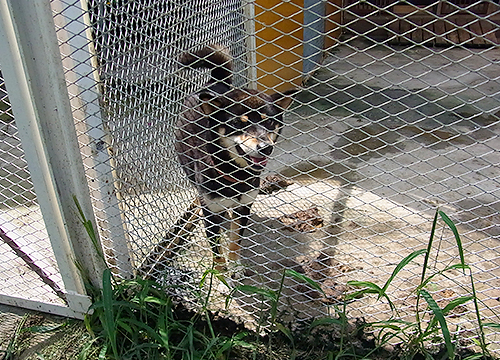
x: 247, y: 123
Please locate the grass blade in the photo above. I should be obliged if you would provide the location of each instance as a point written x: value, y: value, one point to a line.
x: 400, y: 266
x: 205, y: 275
x: 391, y: 323
x: 89, y: 228
x: 102, y: 353
x: 325, y: 321
x: 369, y: 288
x: 492, y: 325
x: 44, y: 329
x: 285, y: 331
x: 456, y: 302
x: 249, y: 289
x: 456, y: 267
x: 125, y: 326
x: 453, y: 228
x: 429, y: 245
x: 448, y: 268
x: 424, y: 269
x: 366, y: 284
x: 450, y: 306
x: 140, y: 325
x: 109, y: 317
x: 155, y: 300
x: 438, y: 313
x: 252, y: 290
x: 474, y: 357
x: 304, y: 278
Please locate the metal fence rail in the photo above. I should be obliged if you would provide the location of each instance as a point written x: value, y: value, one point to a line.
x: 397, y: 115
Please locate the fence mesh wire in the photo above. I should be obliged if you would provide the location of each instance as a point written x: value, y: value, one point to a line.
x: 398, y: 115
x: 28, y: 269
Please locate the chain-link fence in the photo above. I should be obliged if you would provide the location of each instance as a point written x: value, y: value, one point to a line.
x: 397, y: 115
x: 27, y: 266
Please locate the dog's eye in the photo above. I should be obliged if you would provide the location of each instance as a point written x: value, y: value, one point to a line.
x: 268, y: 122
x: 238, y: 122
x: 271, y: 124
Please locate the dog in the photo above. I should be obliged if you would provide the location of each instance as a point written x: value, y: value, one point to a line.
x: 224, y: 137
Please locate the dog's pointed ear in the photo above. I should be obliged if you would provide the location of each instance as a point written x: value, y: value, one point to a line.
x: 284, y: 99
x: 209, y: 103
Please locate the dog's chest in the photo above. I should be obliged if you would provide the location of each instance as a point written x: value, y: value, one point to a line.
x: 220, y: 204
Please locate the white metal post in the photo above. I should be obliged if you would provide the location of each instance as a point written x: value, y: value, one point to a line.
x: 83, y: 79
x: 249, y: 13
x: 32, y: 69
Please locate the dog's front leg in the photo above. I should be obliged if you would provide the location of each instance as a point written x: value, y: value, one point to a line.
x: 213, y: 223
x: 238, y: 224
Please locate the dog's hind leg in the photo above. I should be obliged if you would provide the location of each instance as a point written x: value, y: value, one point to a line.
x: 213, y: 223
x: 238, y: 224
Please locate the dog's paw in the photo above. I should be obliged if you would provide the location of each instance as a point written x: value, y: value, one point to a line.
x: 226, y: 287
x: 231, y: 270
x: 227, y: 281
x: 219, y: 264
x: 238, y: 271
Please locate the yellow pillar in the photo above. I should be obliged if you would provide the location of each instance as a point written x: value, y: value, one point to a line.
x: 279, y: 41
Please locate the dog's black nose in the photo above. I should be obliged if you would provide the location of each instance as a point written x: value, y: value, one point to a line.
x: 265, y: 149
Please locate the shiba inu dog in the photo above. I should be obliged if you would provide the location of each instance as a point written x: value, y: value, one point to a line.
x: 224, y: 138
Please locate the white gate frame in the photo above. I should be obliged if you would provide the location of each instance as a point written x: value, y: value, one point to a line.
x: 81, y: 75
x: 33, y: 73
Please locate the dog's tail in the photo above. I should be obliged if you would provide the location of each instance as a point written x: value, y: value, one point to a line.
x: 215, y: 57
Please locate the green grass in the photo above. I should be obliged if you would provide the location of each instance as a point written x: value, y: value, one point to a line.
x: 137, y: 319
x: 416, y: 335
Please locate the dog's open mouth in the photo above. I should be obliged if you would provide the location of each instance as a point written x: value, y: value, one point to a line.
x: 259, y: 162
x: 256, y: 162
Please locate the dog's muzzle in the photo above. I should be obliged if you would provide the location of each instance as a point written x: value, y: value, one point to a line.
x: 259, y: 161
x: 265, y: 149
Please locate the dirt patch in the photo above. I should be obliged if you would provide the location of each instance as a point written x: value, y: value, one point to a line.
x: 303, y: 220
x: 35, y: 336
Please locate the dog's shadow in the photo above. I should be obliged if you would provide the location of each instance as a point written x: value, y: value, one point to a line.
x: 269, y: 249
